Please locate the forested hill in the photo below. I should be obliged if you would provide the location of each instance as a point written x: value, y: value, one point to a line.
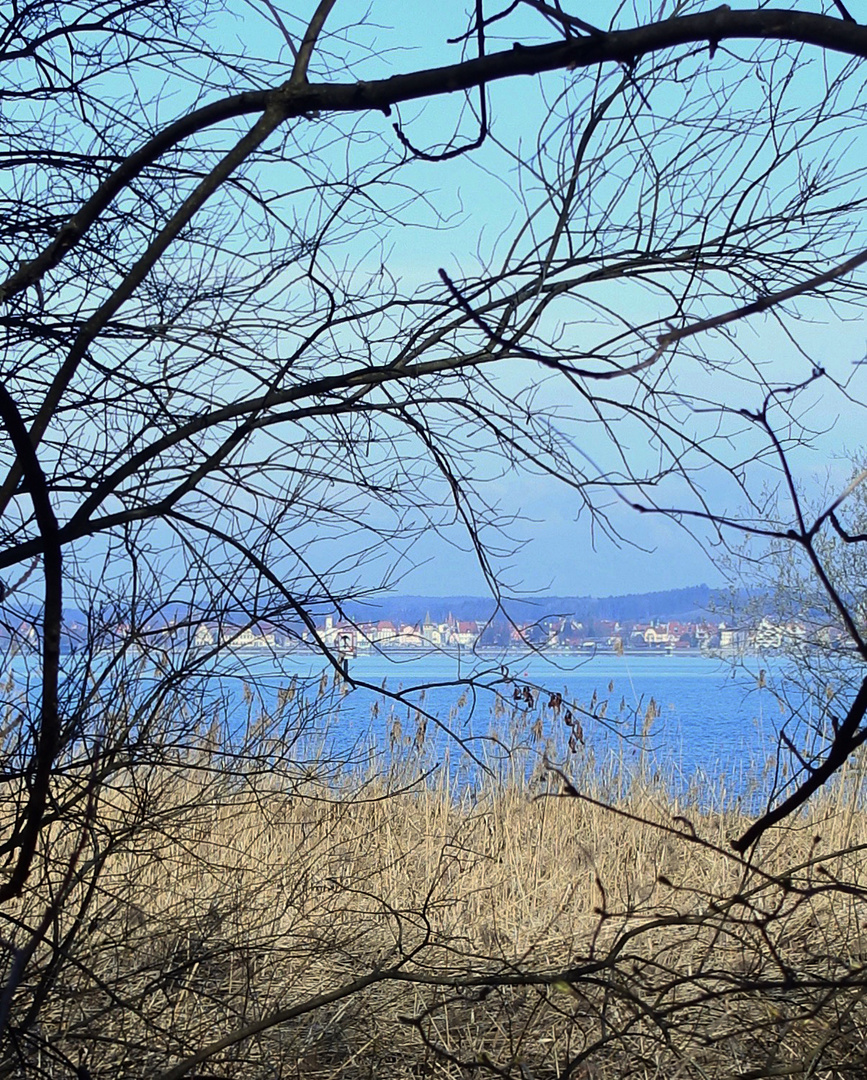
x: 690, y: 604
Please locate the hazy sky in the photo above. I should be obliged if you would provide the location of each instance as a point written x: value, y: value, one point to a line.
x: 472, y: 205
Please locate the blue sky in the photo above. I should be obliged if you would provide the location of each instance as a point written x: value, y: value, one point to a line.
x: 473, y: 205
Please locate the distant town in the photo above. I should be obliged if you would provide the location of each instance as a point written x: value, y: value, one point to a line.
x: 673, y: 621
x: 351, y: 638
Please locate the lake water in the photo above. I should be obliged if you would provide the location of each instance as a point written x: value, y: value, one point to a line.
x: 696, y: 722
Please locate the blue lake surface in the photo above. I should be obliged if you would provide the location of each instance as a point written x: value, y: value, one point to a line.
x: 700, y: 726
x: 698, y: 723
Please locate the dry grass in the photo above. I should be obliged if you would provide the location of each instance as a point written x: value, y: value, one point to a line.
x: 507, y: 934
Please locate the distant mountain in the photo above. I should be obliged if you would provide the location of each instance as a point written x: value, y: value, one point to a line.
x: 693, y: 604
x: 687, y: 605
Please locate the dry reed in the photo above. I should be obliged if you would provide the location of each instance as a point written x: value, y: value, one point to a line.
x: 514, y: 932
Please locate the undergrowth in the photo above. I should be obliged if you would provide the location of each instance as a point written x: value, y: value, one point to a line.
x: 204, y: 923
